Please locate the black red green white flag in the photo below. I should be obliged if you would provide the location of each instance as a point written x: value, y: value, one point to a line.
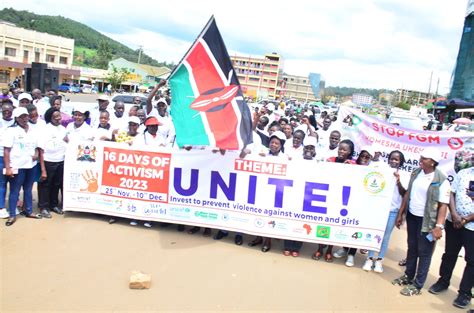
x: 207, y: 105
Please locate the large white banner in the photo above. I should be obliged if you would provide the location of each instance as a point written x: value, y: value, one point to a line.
x: 363, y: 130
x: 300, y: 200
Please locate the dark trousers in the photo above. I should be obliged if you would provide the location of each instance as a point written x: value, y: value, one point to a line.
x: 292, y: 245
x: 455, y: 239
x: 420, y: 251
x: 48, y: 190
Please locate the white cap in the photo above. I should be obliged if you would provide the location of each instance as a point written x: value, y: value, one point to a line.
x: 80, y: 110
x: 431, y: 153
x: 134, y: 119
x: 103, y: 98
x: 280, y: 135
x: 17, y: 112
x: 310, y: 141
x: 24, y: 95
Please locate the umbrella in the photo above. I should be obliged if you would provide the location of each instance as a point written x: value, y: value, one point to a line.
x: 462, y: 120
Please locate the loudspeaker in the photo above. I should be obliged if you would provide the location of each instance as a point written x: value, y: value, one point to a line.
x: 50, y: 80
x: 40, y: 77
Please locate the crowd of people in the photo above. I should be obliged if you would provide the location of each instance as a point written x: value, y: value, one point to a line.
x: 35, y: 132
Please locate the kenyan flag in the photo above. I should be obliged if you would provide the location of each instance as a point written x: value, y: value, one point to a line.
x: 207, y: 103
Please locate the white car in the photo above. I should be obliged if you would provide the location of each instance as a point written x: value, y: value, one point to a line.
x: 407, y: 121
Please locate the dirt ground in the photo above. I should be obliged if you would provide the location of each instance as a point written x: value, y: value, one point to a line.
x: 78, y: 262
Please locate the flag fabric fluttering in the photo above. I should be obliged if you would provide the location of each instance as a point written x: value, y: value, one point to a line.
x: 207, y: 103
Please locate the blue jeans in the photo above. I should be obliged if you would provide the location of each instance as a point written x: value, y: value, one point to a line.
x: 25, y: 178
x: 392, y: 218
x: 3, y: 185
x: 420, y: 251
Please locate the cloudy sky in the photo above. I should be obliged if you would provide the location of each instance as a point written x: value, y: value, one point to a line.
x: 354, y: 43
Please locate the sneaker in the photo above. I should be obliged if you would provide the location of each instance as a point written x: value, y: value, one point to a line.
x: 133, y: 223
x: 410, y: 290
x: 378, y: 266
x: 4, y: 213
x: 437, y: 288
x: 112, y: 220
x: 402, y: 280
x: 350, y: 260
x: 339, y: 254
x: 368, y: 265
x: 148, y: 224
x: 462, y: 301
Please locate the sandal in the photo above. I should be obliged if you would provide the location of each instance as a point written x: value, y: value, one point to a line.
x: 194, y: 230
x: 316, y: 256
x: 295, y: 254
x: 35, y: 216
x: 328, y: 258
x: 410, y: 290
x: 402, y: 262
x: 286, y: 253
x: 10, y: 221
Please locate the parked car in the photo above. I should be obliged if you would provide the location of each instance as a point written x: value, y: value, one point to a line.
x: 407, y: 121
x: 129, y: 99
x: 86, y: 88
x: 69, y: 87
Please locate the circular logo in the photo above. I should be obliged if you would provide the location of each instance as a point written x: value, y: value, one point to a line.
x: 455, y: 143
x: 259, y: 223
x: 225, y: 217
x: 374, y: 182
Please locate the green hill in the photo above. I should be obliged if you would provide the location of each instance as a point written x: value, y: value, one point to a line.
x: 92, y: 48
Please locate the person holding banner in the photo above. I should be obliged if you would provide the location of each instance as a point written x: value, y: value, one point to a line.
x: 425, y: 204
x: 344, y: 155
x: 396, y: 159
x: 276, y: 150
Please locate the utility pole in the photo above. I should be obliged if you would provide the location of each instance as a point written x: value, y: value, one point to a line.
x: 429, y: 87
x: 437, y: 87
x: 140, y: 53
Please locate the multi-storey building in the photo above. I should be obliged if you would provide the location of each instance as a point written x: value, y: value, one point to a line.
x: 411, y: 96
x: 463, y: 82
x: 20, y: 47
x: 362, y: 99
x: 258, y: 76
x: 301, y: 88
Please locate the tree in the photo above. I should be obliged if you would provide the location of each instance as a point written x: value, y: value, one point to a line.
x: 117, y: 76
x: 104, y: 55
x: 403, y: 105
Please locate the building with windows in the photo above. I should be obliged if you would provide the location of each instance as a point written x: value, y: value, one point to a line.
x: 258, y: 76
x: 362, y: 99
x: 140, y: 75
x: 20, y: 47
x: 301, y: 88
x: 412, y: 97
x: 463, y: 81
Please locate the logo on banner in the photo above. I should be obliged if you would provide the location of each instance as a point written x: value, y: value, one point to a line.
x: 259, y: 223
x: 455, y: 143
x: 374, y: 182
x: 308, y: 228
x: 323, y: 231
x: 86, y: 153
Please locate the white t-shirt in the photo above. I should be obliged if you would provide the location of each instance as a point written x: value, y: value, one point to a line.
x: 294, y: 153
x: 146, y: 139
x: 23, y: 146
x: 397, y: 197
x: 83, y: 132
x: 419, y: 189
x: 118, y: 123
x: 38, y: 126
x: 101, y: 132
x: 3, y: 127
x: 53, y: 144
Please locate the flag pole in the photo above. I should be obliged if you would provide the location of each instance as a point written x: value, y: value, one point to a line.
x: 192, y: 46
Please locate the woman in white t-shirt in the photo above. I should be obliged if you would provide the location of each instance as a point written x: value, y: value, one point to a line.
x: 20, y: 154
x: 425, y: 204
x: 53, y: 143
x: 396, y: 159
x: 79, y: 130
